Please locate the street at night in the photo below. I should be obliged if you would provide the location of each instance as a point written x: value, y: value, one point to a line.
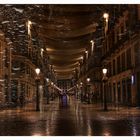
x: 76, y: 119
x: 69, y: 69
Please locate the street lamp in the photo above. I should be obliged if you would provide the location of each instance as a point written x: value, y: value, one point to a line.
x: 104, y: 71
x: 42, y: 50
x: 52, y: 83
x: 104, y: 79
x: 47, y: 91
x: 88, y: 79
x: 82, y: 58
x: 106, y: 17
x: 92, y: 46
x: 47, y: 79
x: 88, y: 90
x: 86, y: 52
x: 29, y: 27
x: 81, y: 91
x: 37, y: 70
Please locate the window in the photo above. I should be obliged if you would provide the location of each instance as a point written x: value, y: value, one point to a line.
x: 137, y: 54
x: 123, y: 61
x: 114, y: 71
x: 118, y: 65
x: 119, y: 91
x: 129, y: 63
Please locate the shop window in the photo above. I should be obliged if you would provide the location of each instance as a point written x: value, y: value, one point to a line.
x: 119, y: 91
x: 128, y: 91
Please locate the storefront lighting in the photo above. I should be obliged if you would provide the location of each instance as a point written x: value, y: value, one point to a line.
x: 132, y: 80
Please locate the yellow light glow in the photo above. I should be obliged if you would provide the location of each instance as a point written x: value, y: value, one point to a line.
x: 106, y: 16
x: 104, y: 71
x: 91, y: 41
x: 92, y: 47
x: 29, y: 27
x: 47, y: 79
x: 50, y: 49
x: 88, y: 79
x: 29, y: 22
x: 42, y: 52
x: 37, y: 70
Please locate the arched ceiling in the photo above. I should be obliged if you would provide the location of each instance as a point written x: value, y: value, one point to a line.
x: 66, y: 30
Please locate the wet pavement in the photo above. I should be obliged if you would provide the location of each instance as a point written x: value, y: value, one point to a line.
x: 76, y: 119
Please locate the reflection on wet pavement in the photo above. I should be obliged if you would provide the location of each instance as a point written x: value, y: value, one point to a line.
x: 76, y: 119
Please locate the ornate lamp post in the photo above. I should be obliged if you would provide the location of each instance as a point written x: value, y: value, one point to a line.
x: 81, y: 91
x: 88, y: 89
x: 37, y: 70
x: 104, y: 79
x: 47, y: 91
x: 106, y: 17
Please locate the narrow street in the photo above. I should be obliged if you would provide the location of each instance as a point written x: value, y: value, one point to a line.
x: 76, y: 119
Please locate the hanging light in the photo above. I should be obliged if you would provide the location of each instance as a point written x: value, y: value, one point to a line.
x: 81, y: 57
x: 106, y: 17
x: 29, y: 27
x: 92, y: 45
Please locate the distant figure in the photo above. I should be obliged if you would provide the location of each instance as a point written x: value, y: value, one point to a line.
x: 64, y: 100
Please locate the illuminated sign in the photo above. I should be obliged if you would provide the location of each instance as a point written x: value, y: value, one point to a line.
x: 132, y: 80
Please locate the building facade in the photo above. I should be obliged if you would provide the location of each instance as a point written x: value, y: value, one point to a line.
x: 119, y: 53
